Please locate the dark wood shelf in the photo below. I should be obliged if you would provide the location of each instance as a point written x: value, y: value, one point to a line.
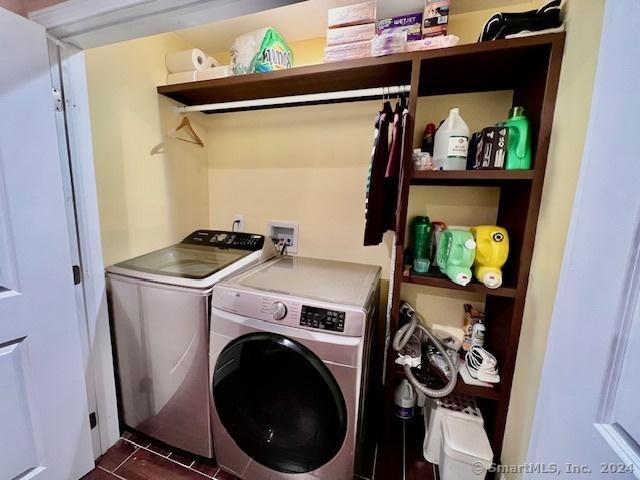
x: 321, y: 78
x: 499, y: 65
x: 470, y: 177
x: 443, y: 282
x: 490, y: 393
x: 461, y: 388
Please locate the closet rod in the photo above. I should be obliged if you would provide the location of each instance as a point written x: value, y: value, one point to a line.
x: 328, y: 97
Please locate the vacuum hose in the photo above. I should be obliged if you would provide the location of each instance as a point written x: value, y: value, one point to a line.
x: 402, y: 337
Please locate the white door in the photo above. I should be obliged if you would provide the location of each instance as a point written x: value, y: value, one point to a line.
x: 44, y: 425
x: 587, y: 422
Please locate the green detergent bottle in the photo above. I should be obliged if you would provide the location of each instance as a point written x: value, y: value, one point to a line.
x: 519, y: 140
x: 456, y: 253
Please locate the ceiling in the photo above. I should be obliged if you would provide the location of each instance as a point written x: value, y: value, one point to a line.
x: 300, y: 21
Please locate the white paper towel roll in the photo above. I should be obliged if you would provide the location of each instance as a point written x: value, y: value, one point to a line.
x: 186, y: 60
x: 181, y: 77
x: 213, y: 62
x: 213, y: 73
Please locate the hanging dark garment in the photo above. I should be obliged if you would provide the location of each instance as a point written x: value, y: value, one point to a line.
x: 374, y: 226
x: 392, y: 174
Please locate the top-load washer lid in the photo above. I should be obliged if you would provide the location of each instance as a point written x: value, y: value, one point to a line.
x: 340, y: 283
x: 185, y: 261
x: 197, y: 257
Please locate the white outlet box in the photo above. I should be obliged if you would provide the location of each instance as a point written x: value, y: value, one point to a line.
x: 238, y: 223
x: 286, y: 231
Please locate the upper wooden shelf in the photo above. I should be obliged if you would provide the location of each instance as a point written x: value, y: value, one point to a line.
x: 498, y: 65
x: 470, y: 177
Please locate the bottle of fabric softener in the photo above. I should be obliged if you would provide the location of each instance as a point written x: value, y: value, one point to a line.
x: 518, y: 141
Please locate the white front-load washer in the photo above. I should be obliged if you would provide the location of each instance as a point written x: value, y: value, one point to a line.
x: 159, y: 306
x: 290, y: 348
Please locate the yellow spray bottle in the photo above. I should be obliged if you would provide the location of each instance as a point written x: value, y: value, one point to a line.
x: 492, y: 250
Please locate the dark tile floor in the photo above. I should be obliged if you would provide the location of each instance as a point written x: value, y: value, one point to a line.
x: 135, y: 457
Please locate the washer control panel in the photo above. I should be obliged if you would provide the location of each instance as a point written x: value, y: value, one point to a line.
x: 322, y: 318
x: 221, y: 239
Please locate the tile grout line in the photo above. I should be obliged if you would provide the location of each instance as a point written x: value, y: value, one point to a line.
x: 126, y: 459
x: 168, y: 457
x: 111, y: 473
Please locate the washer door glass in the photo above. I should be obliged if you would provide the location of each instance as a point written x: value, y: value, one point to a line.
x: 279, y: 402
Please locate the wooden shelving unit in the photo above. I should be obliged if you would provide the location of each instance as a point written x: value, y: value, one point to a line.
x: 534, y: 83
x: 530, y: 67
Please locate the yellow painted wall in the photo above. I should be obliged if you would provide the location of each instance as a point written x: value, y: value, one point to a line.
x: 146, y: 201
x: 309, y: 165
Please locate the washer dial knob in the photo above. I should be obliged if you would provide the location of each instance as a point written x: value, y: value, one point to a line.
x: 278, y: 310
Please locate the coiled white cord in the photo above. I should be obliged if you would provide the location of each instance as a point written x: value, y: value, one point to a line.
x: 482, y: 365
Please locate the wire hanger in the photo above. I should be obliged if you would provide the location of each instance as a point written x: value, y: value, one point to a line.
x: 186, y: 125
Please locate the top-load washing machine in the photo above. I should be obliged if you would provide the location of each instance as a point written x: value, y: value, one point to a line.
x: 290, y: 350
x: 159, y: 307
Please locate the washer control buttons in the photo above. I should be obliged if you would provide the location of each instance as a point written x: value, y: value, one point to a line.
x: 278, y: 310
x: 322, y: 319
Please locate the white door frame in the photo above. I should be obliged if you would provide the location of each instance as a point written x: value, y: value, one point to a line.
x: 74, y: 25
x: 92, y: 303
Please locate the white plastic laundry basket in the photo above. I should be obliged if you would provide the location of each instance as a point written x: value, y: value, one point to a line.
x: 466, y: 453
x: 458, y: 406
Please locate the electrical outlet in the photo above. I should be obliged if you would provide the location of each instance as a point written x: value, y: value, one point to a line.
x: 238, y: 222
x: 285, y: 231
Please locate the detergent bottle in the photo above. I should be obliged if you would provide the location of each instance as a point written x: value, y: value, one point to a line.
x: 518, y: 140
x: 451, y: 143
x: 456, y: 253
x: 404, y: 399
x: 492, y: 250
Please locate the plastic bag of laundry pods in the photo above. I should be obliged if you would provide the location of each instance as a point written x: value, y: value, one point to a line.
x: 262, y: 50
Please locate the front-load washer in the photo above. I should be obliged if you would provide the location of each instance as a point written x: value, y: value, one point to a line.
x: 159, y: 308
x: 290, y: 345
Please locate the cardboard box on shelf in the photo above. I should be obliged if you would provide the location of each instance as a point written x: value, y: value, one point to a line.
x: 348, y: 51
x: 411, y: 23
x: 356, y: 14
x: 491, y: 152
x: 352, y: 34
x: 435, y: 18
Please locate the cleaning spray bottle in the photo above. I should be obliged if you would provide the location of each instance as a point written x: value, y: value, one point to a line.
x: 519, y: 140
x: 451, y: 143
